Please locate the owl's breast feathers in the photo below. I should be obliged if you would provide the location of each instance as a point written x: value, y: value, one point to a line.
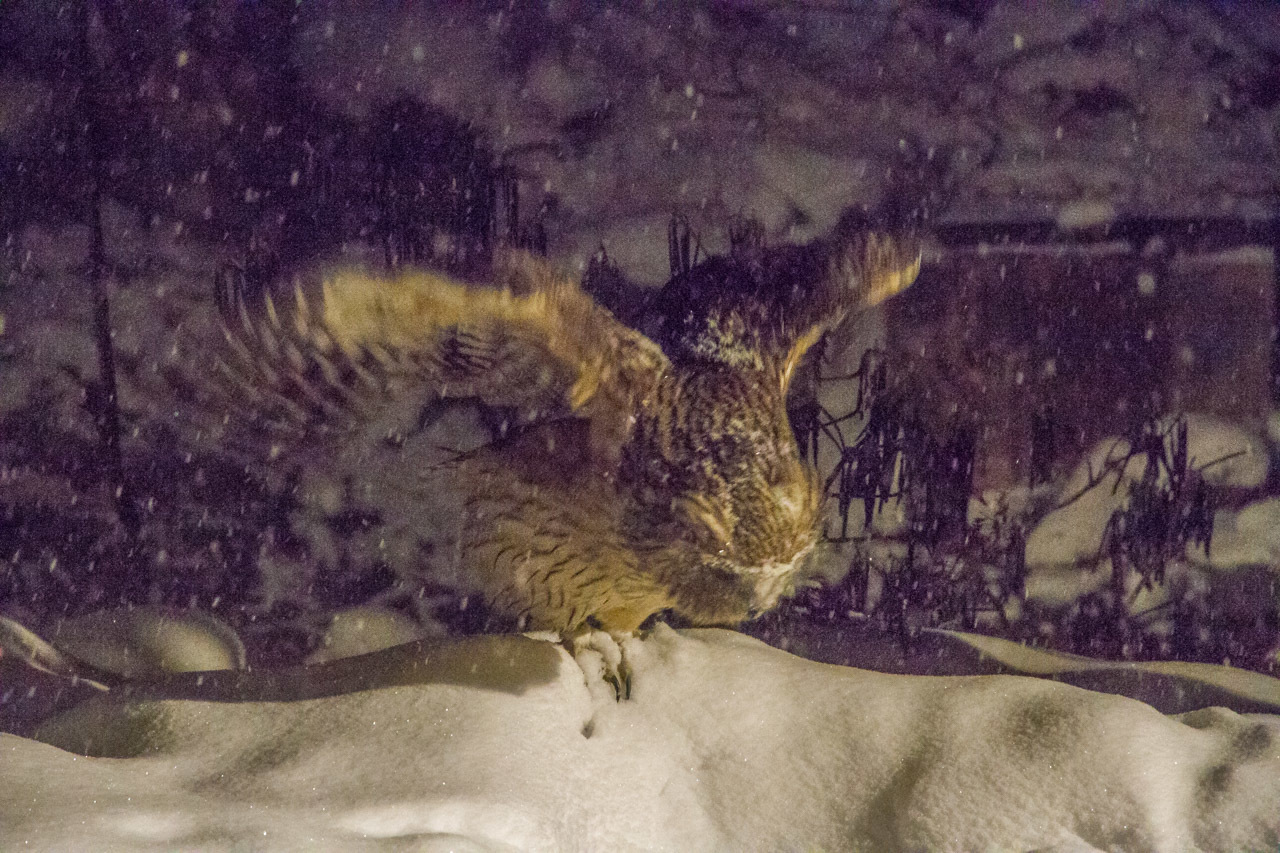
x: 717, y: 497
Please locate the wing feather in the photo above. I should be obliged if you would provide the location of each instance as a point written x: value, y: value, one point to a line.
x: 765, y: 307
x: 341, y: 344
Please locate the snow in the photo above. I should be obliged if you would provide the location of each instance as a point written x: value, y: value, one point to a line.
x: 360, y: 630
x: 1273, y: 427
x: 1229, y: 456
x: 499, y: 743
x: 1248, y: 536
x: 144, y: 640
x: 1086, y: 214
x: 791, y: 112
x: 1245, y: 546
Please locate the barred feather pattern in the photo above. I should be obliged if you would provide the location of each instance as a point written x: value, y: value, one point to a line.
x: 341, y: 344
x: 650, y: 476
x: 766, y: 308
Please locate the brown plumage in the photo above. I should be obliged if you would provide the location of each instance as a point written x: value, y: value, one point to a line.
x: 654, y: 471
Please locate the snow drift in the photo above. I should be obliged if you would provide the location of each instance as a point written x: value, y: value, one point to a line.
x: 499, y: 743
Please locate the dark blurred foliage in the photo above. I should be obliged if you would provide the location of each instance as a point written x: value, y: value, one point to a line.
x: 203, y: 119
x: 945, y: 570
x: 193, y: 112
x: 206, y: 519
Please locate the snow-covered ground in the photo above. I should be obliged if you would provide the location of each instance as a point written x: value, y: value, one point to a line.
x: 1231, y: 457
x: 499, y: 743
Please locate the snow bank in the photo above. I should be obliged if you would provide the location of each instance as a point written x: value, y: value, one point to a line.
x: 1247, y: 537
x: 1172, y: 687
x: 497, y: 743
x: 135, y: 641
x: 360, y: 630
x: 1229, y: 456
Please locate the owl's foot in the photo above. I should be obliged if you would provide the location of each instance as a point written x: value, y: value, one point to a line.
x: 604, y: 665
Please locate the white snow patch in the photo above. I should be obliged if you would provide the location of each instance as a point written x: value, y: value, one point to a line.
x: 1086, y: 214
x: 1058, y: 584
x: 148, y: 825
x: 793, y: 178
x: 1251, y: 255
x: 726, y: 744
x: 1228, y: 456
x: 1249, y: 536
x: 1241, y: 683
x: 638, y: 246
x: 360, y: 630
x: 141, y: 641
x: 1073, y: 532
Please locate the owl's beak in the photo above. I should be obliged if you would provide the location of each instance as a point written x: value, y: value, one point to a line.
x: 892, y: 282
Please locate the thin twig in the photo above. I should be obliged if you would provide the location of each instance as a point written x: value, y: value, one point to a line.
x: 107, y: 409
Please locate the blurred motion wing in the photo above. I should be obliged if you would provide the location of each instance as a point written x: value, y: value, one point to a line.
x: 765, y: 307
x: 332, y: 350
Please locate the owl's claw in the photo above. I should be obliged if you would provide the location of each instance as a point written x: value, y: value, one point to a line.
x: 600, y: 657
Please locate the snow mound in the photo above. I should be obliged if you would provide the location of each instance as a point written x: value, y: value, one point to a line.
x: 139, y: 641
x: 1073, y: 531
x: 1249, y: 536
x: 1172, y: 687
x: 1230, y: 455
x: 1273, y: 427
x: 361, y: 630
x: 498, y: 743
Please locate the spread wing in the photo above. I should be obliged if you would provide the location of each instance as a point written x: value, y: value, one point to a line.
x: 861, y: 268
x: 331, y: 350
x: 764, y: 308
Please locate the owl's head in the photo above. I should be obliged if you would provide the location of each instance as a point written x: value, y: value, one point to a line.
x: 718, y: 484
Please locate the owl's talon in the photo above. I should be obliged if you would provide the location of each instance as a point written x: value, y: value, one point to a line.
x: 600, y: 657
x: 620, y: 678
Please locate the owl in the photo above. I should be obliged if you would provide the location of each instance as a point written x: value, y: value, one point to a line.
x: 650, y: 471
